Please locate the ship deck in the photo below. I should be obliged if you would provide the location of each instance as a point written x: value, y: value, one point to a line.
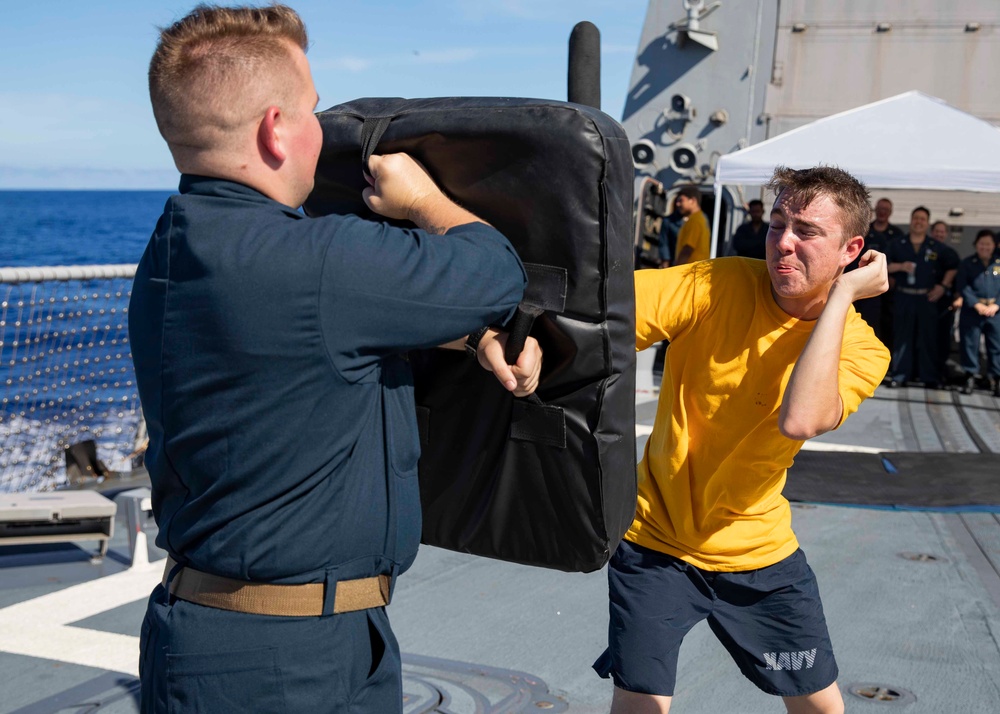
x: 912, y: 599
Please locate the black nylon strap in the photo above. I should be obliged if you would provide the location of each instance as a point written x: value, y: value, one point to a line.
x: 371, y: 133
x: 519, y: 327
x: 546, y: 291
x: 538, y: 423
x: 546, y: 287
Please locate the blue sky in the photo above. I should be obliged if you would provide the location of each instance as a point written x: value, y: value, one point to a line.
x: 75, y: 109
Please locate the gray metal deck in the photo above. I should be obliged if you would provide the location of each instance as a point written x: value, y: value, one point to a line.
x: 485, y: 636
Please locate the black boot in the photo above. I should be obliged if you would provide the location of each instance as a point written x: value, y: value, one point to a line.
x: 970, y: 384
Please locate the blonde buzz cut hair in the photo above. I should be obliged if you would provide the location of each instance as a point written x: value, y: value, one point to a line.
x: 219, y: 68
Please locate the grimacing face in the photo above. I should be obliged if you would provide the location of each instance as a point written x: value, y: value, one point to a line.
x: 805, y: 249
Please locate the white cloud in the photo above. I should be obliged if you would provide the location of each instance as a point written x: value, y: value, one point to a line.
x: 55, y: 129
x: 351, y: 64
x: 448, y: 55
x: 547, y: 11
x: 69, y: 177
x: 458, y: 54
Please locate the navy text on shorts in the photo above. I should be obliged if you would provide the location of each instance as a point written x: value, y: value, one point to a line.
x: 770, y: 620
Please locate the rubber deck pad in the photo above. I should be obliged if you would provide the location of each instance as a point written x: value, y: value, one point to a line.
x: 932, y: 481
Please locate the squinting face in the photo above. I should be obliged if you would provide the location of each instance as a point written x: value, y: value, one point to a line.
x: 804, y: 251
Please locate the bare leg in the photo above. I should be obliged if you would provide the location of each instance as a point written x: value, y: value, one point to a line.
x: 825, y: 701
x: 625, y: 702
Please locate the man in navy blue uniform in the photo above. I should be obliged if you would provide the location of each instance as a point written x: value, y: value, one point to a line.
x: 978, y: 284
x: 877, y: 311
x: 750, y: 237
x: 270, y: 357
x: 924, y: 270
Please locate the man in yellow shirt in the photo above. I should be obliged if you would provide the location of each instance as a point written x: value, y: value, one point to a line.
x: 693, y: 241
x: 763, y: 355
x: 694, y: 237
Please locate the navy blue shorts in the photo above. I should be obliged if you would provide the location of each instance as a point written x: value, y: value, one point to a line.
x: 771, y: 621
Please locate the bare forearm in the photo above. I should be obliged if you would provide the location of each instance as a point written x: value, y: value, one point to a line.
x: 399, y: 187
x: 811, y: 404
x: 458, y: 344
x: 441, y: 214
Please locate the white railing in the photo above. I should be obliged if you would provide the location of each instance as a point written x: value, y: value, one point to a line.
x: 65, y: 371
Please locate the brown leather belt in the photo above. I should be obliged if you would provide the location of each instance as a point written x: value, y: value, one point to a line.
x: 304, y: 600
x: 987, y: 301
x: 912, y: 291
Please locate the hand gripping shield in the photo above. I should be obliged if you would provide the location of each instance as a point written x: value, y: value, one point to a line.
x: 546, y: 481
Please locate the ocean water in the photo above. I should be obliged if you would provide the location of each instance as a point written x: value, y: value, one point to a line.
x: 65, y: 365
x: 76, y: 227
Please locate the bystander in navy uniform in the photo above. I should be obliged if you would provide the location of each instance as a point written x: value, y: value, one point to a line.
x: 749, y: 238
x: 269, y: 352
x: 947, y: 312
x: 924, y: 270
x: 978, y: 283
x: 877, y: 311
x: 670, y: 226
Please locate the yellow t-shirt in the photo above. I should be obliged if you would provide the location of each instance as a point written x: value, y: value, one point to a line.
x: 695, y: 233
x: 711, y: 478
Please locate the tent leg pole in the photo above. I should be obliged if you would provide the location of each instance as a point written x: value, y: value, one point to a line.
x: 716, y: 212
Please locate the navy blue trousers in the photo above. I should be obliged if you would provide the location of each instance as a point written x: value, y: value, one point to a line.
x: 970, y: 325
x: 200, y: 659
x: 915, y: 348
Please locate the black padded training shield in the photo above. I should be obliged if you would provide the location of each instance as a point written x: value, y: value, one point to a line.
x: 547, y: 481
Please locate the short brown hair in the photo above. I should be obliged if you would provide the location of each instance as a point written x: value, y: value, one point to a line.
x: 219, y: 67
x: 847, y: 193
x: 690, y: 191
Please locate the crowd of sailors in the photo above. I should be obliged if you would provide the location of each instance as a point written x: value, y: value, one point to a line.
x: 932, y: 294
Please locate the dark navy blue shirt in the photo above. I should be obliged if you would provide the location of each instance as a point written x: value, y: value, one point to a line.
x: 749, y: 242
x: 933, y: 260
x: 268, y: 352
x: 975, y: 280
x: 876, y: 240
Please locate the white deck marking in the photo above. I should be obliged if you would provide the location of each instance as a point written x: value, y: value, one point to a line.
x: 828, y: 446
x: 40, y: 627
x: 646, y: 430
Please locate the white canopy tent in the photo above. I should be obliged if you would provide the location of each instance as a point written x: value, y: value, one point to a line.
x: 908, y: 141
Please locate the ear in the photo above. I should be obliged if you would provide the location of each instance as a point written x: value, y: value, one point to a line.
x: 852, y: 250
x: 269, y: 136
